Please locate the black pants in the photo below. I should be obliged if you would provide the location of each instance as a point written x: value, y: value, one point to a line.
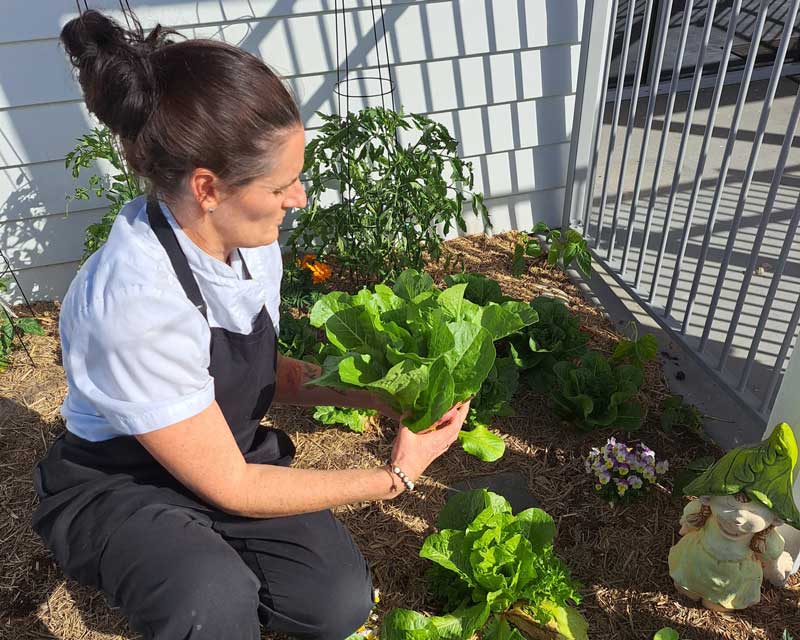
x: 179, y: 573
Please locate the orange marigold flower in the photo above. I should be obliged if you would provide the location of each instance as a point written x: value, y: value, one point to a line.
x: 320, y: 272
x: 306, y: 260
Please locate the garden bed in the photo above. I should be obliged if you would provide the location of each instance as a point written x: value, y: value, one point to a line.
x: 619, y: 555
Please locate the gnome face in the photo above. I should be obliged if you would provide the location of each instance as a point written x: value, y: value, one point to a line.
x: 737, y: 516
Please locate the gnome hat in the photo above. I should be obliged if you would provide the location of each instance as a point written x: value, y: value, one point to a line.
x: 764, y: 472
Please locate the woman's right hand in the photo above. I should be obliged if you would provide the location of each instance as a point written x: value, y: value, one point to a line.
x: 414, y: 452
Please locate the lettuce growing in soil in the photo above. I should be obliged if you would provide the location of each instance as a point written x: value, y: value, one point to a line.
x: 496, y: 573
x: 597, y: 394
x: 556, y: 337
x: 423, y: 350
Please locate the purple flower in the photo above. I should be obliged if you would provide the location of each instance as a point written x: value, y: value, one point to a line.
x: 604, y: 477
x: 623, y: 469
x: 635, y: 482
x: 662, y: 467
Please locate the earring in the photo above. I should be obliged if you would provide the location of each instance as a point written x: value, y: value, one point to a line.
x: 210, y: 210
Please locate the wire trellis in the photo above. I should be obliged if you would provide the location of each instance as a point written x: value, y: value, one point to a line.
x: 384, y: 71
x: 10, y: 316
x: 384, y: 77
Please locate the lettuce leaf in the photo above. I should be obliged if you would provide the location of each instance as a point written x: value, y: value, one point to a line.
x: 421, y: 349
x: 499, y: 558
x: 353, y: 419
x: 594, y: 394
x: 555, y: 337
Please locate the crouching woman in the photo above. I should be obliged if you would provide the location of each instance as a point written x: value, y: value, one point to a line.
x: 165, y: 492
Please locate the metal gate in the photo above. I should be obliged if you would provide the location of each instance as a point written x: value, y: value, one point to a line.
x: 689, y: 191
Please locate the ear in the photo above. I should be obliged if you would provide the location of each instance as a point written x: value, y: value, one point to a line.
x: 205, y: 187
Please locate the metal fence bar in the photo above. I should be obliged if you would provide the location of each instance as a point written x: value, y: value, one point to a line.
x: 787, y: 342
x: 589, y: 99
x: 632, y: 105
x: 766, y: 110
x: 687, y: 127
x: 773, y: 289
x: 623, y: 64
x: 748, y: 407
x: 662, y: 148
x: 726, y: 160
x: 592, y: 169
x: 701, y: 164
x: 666, y: 10
x: 762, y: 229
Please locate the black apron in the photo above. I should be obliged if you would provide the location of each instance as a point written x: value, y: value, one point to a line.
x: 88, y: 489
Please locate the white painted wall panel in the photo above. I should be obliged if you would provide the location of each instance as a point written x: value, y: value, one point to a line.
x: 40, y: 190
x: 499, y: 74
x: 46, y: 240
x: 43, y: 283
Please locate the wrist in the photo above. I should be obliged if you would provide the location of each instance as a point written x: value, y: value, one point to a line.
x: 391, y: 484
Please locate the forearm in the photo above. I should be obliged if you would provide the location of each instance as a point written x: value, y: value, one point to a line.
x: 269, y: 491
x: 290, y: 388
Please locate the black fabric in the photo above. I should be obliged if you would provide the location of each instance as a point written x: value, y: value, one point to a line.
x: 99, y: 499
x: 300, y: 575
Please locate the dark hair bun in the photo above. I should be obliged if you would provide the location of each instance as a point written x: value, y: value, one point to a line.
x: 114, y: 70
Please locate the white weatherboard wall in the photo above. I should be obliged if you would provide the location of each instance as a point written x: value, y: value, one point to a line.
x: 787, y: 409
x: 500, y: 74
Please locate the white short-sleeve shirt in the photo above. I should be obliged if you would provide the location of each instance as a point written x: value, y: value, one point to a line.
x: 135, y: 349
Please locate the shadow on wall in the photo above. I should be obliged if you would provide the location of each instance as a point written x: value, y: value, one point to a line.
x: 509, y: 102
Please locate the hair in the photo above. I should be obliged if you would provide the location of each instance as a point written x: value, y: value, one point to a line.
x: 177, y: 106
x: 759, y: 542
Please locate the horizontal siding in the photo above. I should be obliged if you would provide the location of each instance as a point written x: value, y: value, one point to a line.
x: 305, y: 45
x: 519, y: 211
x: 47, y: 240
x: 43, y: 283
x: 516, y: 24
x: 501, y: 78
x: 44, y: 240
x: 41, y: 188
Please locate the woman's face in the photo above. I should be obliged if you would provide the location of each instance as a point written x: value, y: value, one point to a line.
x: 252, y: 215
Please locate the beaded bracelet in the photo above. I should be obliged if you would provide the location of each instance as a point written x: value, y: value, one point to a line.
x: 399, y: 473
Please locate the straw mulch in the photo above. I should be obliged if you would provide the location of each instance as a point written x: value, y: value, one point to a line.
x: 619, y: 555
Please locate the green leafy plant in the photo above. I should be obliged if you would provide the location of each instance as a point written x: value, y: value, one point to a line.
x: 422, y: 350
x: 12, y: 327
x: 688, y: 474
x: 497, y: 574
x: 595, y: 394
x: 480, y: 289
x: 118, y: 188
x: 676, y: 412
x: 635, y: 350
x: 559, y: 248
x: 556, y: 337
x: 297, y: 339
x: 666, y: 633
x: 376, y: 202
x: 786, y: 635
x: 354, y: 419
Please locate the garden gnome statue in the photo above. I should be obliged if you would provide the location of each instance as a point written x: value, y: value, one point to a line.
x: 729, y: 541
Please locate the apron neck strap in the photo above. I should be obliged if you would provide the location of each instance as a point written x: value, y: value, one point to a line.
x: 166, y: 236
